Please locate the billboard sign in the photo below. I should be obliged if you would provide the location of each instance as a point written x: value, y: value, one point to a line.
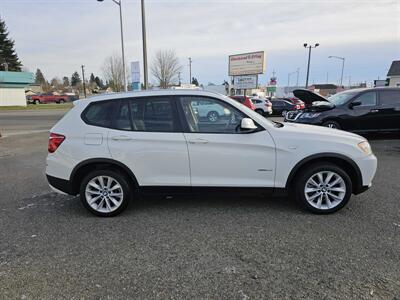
x: 135, y: 71
x: 247, y: 63
x: 245, y: 82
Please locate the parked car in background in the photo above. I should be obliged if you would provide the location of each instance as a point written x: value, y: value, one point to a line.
x: 262, y: 106
x: 112, y: 148
x: 281, y: 107
x: 245, y: 100
x: 48, y: 98
x: 295, y: 101
x: 210, y: 110
x: 358, y: 110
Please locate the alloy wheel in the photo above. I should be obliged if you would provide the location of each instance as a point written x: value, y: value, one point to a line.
x: 325, y: 190
x: 104, y: 194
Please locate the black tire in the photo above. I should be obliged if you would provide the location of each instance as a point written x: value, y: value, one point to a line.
x: 311, y: 171
x: 284, y: 112
x: 120, y: 179
x: 332, y: 124
x: 213, y: 116
x: 61, y: 101
x: 260, y: 111
x: 36, y: 102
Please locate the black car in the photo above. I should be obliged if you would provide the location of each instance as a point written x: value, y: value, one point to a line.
x: 281, y: 107
x: 358, y: 110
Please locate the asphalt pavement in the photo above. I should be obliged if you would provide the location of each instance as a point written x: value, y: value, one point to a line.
x: 190, y: 248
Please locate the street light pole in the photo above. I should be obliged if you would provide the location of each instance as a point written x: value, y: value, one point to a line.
x: 342, y: 59
x: 119, y: 3
x: 145, y: 75
x: 190, y: 70
x: 309, y: 59
x: 83, y: 78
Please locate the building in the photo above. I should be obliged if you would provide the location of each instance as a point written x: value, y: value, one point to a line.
x: 394, y: 74
x: 12, y: 88
x: 324, y: 89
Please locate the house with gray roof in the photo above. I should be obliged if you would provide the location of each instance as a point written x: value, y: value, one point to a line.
x: 394, y: 74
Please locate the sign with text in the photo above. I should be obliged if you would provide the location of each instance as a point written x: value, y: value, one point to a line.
x: 246, y: 63
x: 245, y: 82
x: 135, y: 71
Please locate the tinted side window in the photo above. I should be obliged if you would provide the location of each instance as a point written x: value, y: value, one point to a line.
x: 122, y: 118
x: 389, y: 98
x: 100, y: 113
x: 367, y: 99
x: 152, y: 114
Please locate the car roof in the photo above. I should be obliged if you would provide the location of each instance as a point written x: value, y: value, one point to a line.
x: 149, y: 93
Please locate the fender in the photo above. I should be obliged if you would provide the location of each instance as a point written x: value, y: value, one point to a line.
x: 326, y: 155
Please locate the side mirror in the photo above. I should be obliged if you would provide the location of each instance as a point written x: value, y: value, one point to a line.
x: 354, y: 103
x: 248, y: 124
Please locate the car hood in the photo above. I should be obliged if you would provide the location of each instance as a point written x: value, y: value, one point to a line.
x: 309, y: 97
x: 319, y: 131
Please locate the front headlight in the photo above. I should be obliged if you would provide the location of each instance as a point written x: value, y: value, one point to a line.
x: 309, y: 115
x: 365, y: 147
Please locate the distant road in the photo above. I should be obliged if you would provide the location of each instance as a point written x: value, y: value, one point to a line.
x: 28, y: 121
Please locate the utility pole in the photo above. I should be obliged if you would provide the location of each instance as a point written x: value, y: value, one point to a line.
x: 190, y: 70
x: 179, y: 78
x: 297, y: 79
x: 145, y: 75
x: 309, y: 59
x: 83, y: 78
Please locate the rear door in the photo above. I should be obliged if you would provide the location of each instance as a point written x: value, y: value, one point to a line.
x: 146, y: 137
x: 389, y: 109
x: 221, y: 155
x: 364, y: 117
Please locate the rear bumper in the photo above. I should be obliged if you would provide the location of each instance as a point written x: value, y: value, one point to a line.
x: 60, y: 185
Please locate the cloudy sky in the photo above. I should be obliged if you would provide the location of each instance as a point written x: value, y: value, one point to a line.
x: 58, y: 36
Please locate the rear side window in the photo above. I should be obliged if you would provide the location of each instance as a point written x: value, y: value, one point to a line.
x: 389, y: 98
x: 367, y: 99
x: 99, y: 113
x: 152, y: 114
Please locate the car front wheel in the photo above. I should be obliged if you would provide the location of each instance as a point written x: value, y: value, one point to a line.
x: 323, y: 188
x: 105, y: 193
x: 331, y: 124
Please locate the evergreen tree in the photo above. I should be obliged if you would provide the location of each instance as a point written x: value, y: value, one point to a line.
x: 7, y: 52
x: 75, y: 79
x: 92, y: 79
x: 99, y: 82
x: 39, y: 78
x: 65, y: 82
x: 194, y: 81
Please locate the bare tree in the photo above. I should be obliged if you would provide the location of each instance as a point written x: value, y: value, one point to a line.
x: 166, y: 67
x: 113, y: 72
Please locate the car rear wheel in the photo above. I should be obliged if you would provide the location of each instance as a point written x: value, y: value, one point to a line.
x: 36, y: 102
x: 323, y: 188
x: 61, y: 101
x: 213, y: 116
x: 105, y: 193
x: 332, y: 124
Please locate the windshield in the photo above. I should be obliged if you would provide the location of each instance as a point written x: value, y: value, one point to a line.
x: 341, y: 98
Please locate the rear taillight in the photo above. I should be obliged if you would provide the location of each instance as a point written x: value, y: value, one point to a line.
x: 55, y: 141
x: 297, y: 106
x: 268, y: 104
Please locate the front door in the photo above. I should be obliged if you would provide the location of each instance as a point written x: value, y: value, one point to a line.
x: 147, y: 138
x: 366, y: 116
x: 220, y: 154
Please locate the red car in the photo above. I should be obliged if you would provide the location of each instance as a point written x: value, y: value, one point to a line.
x: 48, y: 98
x: 296, y: 101
x: 246, y: 101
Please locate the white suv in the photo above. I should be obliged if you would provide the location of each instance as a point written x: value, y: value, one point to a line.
x: 112, y: 148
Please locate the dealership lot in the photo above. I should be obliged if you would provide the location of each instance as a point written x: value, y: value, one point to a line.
x: 241, y: 248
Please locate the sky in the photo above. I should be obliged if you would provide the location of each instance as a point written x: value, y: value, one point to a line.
x: 58, y: 36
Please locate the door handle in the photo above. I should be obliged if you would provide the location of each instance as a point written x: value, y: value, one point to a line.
x: 121, y: 138
x: 374, y: 110
x: 198, y: 141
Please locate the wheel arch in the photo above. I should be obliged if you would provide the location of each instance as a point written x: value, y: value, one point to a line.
x: 86, y: 166
x: 348, y: 165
